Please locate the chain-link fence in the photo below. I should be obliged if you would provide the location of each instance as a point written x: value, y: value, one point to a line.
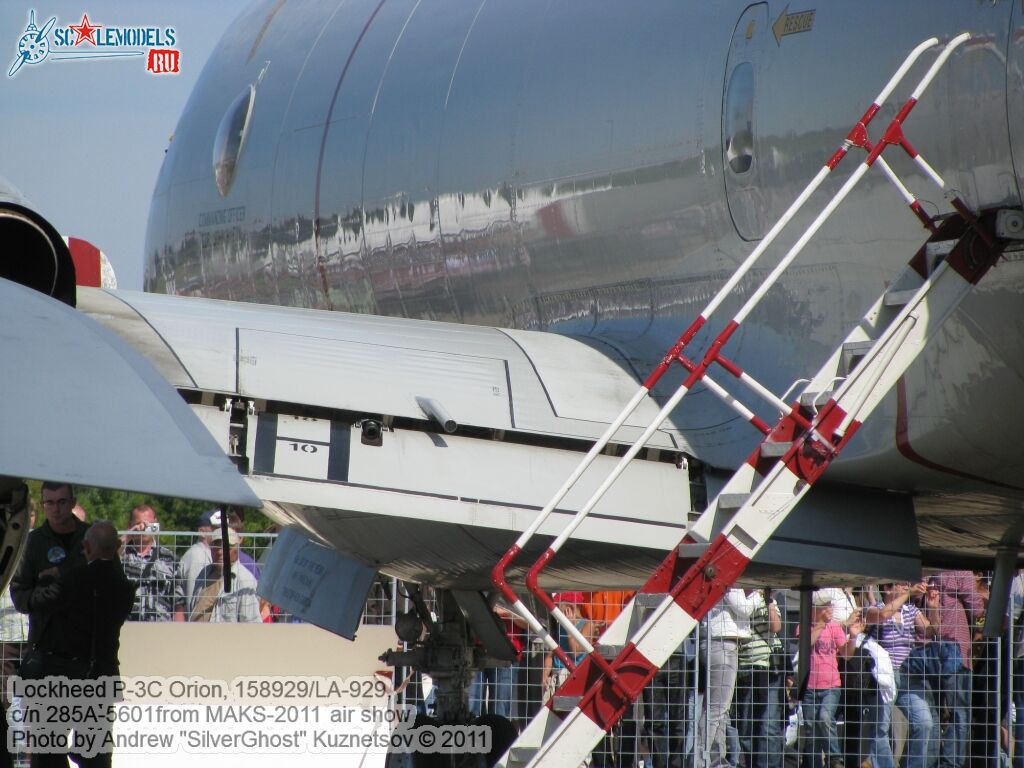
x: 898, y: 674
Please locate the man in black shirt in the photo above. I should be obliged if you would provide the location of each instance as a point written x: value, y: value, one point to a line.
x: 52, y: 549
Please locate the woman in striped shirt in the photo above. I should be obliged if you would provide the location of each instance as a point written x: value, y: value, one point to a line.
x: 899, y: 625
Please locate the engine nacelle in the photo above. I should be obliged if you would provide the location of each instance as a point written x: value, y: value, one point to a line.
x: 32, y: 252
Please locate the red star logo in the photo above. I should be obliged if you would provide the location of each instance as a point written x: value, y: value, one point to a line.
x: 86, y: 32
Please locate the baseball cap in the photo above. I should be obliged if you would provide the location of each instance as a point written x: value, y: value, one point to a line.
x: 822, y: 598
x: 210, y: 518
x: 216, y: 538
x: 573, y: 598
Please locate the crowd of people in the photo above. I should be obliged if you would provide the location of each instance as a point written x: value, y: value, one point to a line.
x: 897, y: 674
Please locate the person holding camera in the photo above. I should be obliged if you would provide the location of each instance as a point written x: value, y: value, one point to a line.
x: 153, y: 568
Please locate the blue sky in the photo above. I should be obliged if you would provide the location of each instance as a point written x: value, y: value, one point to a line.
x: 84, y: 139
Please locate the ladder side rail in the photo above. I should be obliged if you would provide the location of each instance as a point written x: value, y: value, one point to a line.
x: 750, y: 528
x: 738, y: 407
x: 753, y: 384
x: 668, y: 624
x: 533, y: 574
x: 854, y: 138
x: 859, y: 388
x: 911, y: 200
x: 498, y: 577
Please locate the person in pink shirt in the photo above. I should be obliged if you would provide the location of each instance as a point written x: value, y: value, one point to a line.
x: 821, y: 699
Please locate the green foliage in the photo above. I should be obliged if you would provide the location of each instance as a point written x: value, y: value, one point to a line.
x: 173, y: 514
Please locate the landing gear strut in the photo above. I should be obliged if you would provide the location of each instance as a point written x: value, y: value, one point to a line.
x: 444, y: 649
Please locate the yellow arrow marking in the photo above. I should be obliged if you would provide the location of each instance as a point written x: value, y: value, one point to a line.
x: 792, y: 23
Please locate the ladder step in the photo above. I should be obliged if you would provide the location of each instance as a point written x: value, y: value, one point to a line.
x: 647, y: 600
x: 939, y: 248
x: 732, y: 500
x: 815, y: 399
x: 520, y: 756
x: 688, y: 552
x: 853, y: 351
x: 774, y: 450
x: 858, y: 348
x: 899, y: 298
x: 609, y: 651
x: 564, y: 703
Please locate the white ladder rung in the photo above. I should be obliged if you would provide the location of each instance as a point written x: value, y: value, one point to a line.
x: 899, y: 298
x: 561, y: 703
x: 815, y: 399
x: 775, y: 449
x: 732, y: 500
x: 520, y: 756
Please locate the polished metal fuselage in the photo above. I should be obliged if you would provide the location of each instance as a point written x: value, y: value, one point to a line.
x: 561, y: 166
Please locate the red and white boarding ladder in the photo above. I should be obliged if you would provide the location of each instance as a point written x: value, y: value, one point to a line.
x: 793, y: 454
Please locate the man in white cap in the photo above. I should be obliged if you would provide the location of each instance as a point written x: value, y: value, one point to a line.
x: 209, y: 600
x: 199, y: 556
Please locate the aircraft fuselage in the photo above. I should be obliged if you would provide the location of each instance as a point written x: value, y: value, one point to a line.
x: 598, y: 170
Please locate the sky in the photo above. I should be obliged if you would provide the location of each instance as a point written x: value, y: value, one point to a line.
x: 83, y: 139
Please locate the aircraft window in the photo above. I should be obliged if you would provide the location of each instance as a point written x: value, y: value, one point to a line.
x: 739, y: 119
x: 231, y: 138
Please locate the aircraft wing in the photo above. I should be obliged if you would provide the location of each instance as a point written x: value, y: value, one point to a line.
x: 80, y: 405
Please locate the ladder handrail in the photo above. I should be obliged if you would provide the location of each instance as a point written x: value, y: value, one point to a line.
x: 691, y: 595
x: 855, y: 138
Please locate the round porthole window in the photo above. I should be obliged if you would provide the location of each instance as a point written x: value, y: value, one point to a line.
x: 231, y: 132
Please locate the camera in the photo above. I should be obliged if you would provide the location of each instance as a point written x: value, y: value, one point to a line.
x: 152, y: 528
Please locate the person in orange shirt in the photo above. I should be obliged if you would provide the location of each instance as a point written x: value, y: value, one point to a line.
x: 603, y: 608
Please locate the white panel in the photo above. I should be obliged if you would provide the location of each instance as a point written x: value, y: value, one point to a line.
x: 372, y: 377
x: 581, y: 382
x: 516, y: 474
x: 379, y: 364
x: 303, y: 447
x: 301, y: 459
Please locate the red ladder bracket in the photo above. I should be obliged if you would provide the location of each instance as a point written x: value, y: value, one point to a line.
x: 604, y: 703
x: 972, y: 258
x: 786, y: 430
x: 707, y: 580
x: 809, y: 458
